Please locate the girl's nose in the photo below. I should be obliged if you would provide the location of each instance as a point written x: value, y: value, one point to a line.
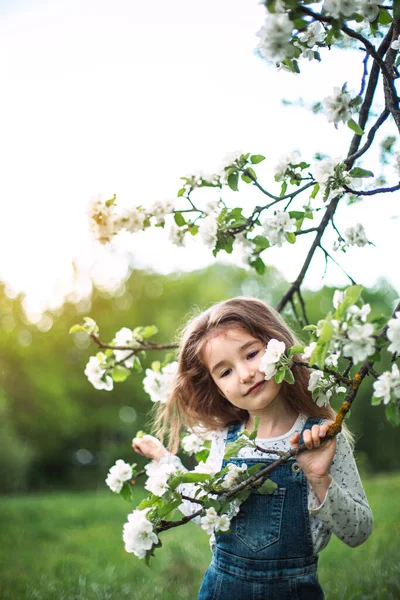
x: 246, y: 375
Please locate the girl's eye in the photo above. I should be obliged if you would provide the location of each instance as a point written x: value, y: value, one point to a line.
x: 253, y: 354
x: 225, y: 373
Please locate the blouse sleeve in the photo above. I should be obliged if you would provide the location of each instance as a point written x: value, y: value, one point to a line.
x: 345, y: 510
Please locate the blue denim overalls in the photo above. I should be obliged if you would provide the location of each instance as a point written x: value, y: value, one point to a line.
x: 268, y: 554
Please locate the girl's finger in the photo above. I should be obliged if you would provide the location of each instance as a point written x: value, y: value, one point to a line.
x: 324, y: 428
x: 315, y: 430
x: 307, y: 438
x: 295, y: 440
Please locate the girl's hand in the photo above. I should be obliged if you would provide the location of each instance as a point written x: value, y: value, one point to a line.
x: 316, y: 464
x: 150, y: 447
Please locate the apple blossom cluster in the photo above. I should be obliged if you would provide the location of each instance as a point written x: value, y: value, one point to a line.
x: 193, y: 443
x: 96, y: 370
x: 118, y: 474
x: 387, y: 386
x: 106, y: 219
x: 138, y: 533
x: 332, y: 176
x: 356, y: 236
x: 271, y: 357
x: 324, y: 388
x: 126, y: 337
x: 158, y: 475
x: 276, y: 228
x: 212, y: 522
x: 234, y: 472
x: 275, y: 37
x: 338, y: 9
x: 159, y: 381
x: 339, y: 106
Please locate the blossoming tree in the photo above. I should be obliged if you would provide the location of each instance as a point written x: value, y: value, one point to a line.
x: 345, y: 344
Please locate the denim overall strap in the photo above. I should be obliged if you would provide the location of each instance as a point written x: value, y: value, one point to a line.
x: 268, y: 552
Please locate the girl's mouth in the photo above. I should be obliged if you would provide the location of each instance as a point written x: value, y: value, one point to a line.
x: 256, y: 388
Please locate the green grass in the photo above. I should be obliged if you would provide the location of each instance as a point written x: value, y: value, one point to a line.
x: 69, y: 547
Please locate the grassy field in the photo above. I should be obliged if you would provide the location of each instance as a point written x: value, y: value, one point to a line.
x: 69, y: 547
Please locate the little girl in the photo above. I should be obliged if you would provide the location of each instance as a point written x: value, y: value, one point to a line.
x: 271, y: 551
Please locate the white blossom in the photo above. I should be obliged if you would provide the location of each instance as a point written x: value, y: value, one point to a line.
x: 283, y: 164
x: 95, y: 374
x: 332, y: 360
x: 101, y: 219
x: 338, y: 8
x: 274, y: 351
x: 130, y: 219
x: 382, y: 387
x: 158, y: 384
x: 124, y: 337
x: 117, y: 474
x: 326, y: 385
x: 315, y: 33
x: 192, y: 443
x: 233, y: 473
x: 369, y: 9
x: 338, y: 106
x: 315, y: 377
x: 393, y: 333
x: 275, y: 36
x: 360, y: 314
x: 138, y: 534
x: 207, y: 469
x: 355, y: 235
x: 208, y: 228
x: 211, y: 521
x: 308, y: 350
x: 157, y: 484
x: 338, y: 298
x: 325, y: 173
x: 395, y: 45
x: 177, y: 235
x: 275, y: 228
x: 159, y: 209
x: 360, y: 344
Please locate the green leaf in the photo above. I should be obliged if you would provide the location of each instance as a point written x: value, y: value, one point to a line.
x: 352, y: 294
x: 212, y: 503
x: 283, y: 188
x: 280, y: 375
x: 76, y: 328
x: 194, y: 477
x: 268, y: 487
x: 202, y: 455
x: 179, y: 219
x: 291, y: 238
x: 233, y: 181
x: 310, y: 328
x: 296, y: 214
x: 120, y: 373
x: 256, y: 158
x: 181, y: 192
x: 376, y: 401
x: 258, y: 265
x: 384, y: 16
x: 253, y: 434
x: 358, y: 172
x: 393, y: 413
x: 315, y: 190
x: 326, y: 331
x: 295, y: 350
x: 254, y: 469
x: 289, y: 378
x: 261, y: 243
x: 148, y: 331
x: 246, y: 178
x: 126, y: 492
x: 355, y: 127
x: 167, y: 508
x: 233, y: 448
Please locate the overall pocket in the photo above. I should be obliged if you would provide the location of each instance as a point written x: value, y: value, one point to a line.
x: 258, y: 523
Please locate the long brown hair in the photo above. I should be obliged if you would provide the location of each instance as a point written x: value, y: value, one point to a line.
x: 195, y: 399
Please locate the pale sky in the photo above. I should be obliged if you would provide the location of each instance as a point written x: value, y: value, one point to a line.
x: 125, y: 97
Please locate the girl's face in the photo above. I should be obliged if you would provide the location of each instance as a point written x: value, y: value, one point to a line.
x: 232, y: 357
